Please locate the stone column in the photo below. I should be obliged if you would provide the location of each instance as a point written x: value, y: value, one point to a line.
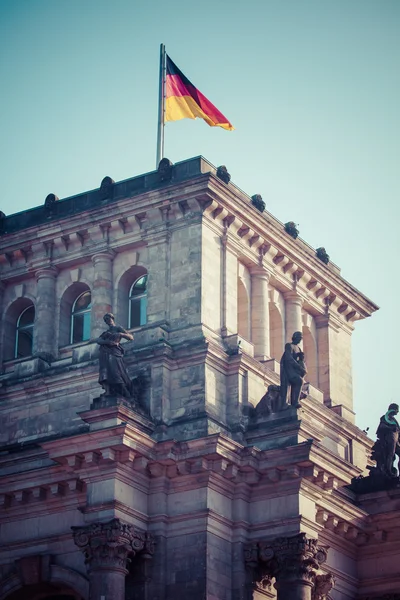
x: 108, y: 547
x: 45, y: 312
x: 260, y: 312
x: 293, y: 562
x: 102, y: 292
x: 294, y: 320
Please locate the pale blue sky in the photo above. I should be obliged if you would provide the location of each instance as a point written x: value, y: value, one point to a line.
x: 312, y: 88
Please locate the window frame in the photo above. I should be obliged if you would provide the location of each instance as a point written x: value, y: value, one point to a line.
x: 74, y: 313
x: 138, y: 297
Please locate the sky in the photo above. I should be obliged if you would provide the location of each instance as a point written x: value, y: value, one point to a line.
x: 311, y: 86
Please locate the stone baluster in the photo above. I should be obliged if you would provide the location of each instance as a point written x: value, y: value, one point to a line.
x: 45, y: 312
x: 260, y: 312
x: 102, y: 292
x: 108, y: 548
x: 294, y: 320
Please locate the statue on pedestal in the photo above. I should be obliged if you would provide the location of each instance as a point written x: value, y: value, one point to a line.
x: 113, y: 376
x: 387, y: 445
x: 293, y: 370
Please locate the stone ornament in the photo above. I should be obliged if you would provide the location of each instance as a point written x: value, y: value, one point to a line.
x: 165, y: 169
x: 113, y: 376
x: 49, y: 203
x: 323, y: 584
x: 222, y: 173
x: 110, y: 545
x: 387, y: 446
x: 107, y: 188
x: 2, y: 222
x: 322, y: 255
x: 289, y: 559
x: 293, y: 370
x: 258, y: 202
x: 292, y: 229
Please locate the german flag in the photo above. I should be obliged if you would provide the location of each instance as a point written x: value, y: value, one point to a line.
x: 184, y: 101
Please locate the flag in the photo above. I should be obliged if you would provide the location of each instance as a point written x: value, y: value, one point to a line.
x: 184, y: 101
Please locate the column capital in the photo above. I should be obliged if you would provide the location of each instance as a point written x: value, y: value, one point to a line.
x: 104, y: 255
x: 290, y: 560
x: 107, y: 546
x: 260, y: 272
x: 293, y: 297
x: 49, y: 272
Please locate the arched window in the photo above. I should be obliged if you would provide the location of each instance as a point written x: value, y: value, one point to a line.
x: 138, y: 303
x: 24, y: 333
x: 80, y: 318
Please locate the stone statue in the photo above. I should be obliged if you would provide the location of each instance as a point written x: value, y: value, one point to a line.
x: 293, y: 370
x: 113, y: 376
x: 387, y: 445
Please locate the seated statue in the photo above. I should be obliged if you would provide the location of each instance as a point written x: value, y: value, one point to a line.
x: 293, y: 370
x: 387, y: 445
x: 113, y: 376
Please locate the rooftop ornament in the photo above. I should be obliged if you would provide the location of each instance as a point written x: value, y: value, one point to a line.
x: 222, y: 173
x: 322, y: 255
x: 291, y: 229
x: 165, y: 169
x: 258, y: 202
x: 49, y: 203
x: 2, y: 222
x: 107, y: 188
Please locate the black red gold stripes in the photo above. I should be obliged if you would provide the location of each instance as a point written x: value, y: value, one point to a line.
x: 184, y: 101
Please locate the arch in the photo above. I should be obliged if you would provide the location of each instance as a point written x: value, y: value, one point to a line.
x: 75, y: 314
x: 243, y: 302
x: 310, y: 348
x: 276, y: 324
x: 61, y: 584
x: 18, y: 329
x: 132, y: 307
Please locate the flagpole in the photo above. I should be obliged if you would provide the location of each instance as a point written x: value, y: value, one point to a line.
x: 161, y: 106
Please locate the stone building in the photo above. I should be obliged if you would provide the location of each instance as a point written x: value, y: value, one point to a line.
x: 193, y: 488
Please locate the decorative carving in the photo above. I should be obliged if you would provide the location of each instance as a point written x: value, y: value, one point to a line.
x: 258, y: 202
x: 2, y: 222
x: 109, y: 545
x: 288, y: 559
x: 293, y: 370
x: 113, y: 376
x: 222, y: 173
x: 322, y: 255
x: 49, y: 203
x: 165, y: 169
x: 291, y: 229
x: 322, y: 586
x: 384, y: 475
x: 269, y: 403
x: 107, y: 188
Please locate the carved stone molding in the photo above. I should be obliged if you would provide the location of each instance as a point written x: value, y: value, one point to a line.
x: 289, y: 559
x: 109, y: 546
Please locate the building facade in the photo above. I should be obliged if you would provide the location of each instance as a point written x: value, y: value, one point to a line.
x: 194, y: 488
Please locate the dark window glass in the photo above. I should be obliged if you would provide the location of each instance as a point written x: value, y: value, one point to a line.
x: 24, y: 333
x: 80, y: 318
x: 138, y: 303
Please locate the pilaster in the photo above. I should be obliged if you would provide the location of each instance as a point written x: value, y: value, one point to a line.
x: 260, y: 312
x: 102, y: 292
x: 44, y: 338
x: 294, y: 320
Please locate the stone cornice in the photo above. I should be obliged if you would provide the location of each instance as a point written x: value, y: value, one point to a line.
x: 260, y: 238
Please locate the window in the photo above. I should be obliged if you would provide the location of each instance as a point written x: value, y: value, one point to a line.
x: 80, y: 318
x: 24, y: 333
x: 138, y: 303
